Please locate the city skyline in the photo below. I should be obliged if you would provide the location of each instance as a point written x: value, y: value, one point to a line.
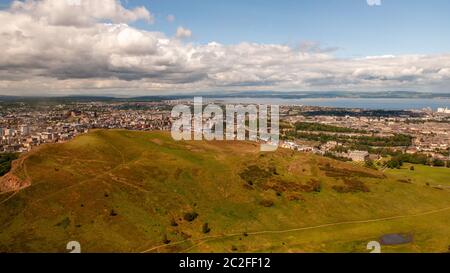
x: 108, y: 47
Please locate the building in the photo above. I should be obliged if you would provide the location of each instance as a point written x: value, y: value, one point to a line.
x: 329, y: 145
x: 8, y: 132
x: 358, y: 156
x: 443, y: 110
x: 25, y: 130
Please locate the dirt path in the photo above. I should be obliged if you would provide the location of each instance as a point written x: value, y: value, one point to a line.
x: 78, y: 183
x: 225, y: 236
x: 80, y: 160
x: 123, y: 182
x: 105, y: 173
x: 118, y: 151
x: 9, y: 197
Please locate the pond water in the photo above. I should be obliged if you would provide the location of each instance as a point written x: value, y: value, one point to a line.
x: 396, y: 239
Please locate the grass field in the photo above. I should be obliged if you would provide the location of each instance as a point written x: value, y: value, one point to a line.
x: 123, y: 191
x: 424, y: 174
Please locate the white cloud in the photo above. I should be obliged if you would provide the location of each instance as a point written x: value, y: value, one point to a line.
x: 79, y: 12
x: 379, y: 57
x: 183, y: 33
x: 45, y: 52
x: 374, y: 2
x: 170, y: 18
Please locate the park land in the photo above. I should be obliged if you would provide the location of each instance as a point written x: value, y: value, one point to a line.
x: 128, y: 191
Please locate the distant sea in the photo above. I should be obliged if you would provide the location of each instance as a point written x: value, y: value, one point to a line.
x: 373, y: 104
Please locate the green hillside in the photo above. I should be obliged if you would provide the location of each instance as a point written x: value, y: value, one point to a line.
x: 124, y: 191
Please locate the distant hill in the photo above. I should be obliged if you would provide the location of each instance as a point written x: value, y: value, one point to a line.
x: 124, y: 191
x: 235, y: 94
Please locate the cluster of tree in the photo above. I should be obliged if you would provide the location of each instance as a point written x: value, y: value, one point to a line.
x: 438, y: 163
x: 309, y: 126
x: 362, y: 113
x: 416, y: 158
x: 5, y: 162
x: 370, y: 164
x: 444, y: 152
x: 363, y: 142
x: 397, y: 140
x: 394, y: 164
x: 283, y: 125
x: 397, y: 161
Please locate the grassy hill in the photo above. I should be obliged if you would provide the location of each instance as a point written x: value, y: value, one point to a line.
x: 123, y: 191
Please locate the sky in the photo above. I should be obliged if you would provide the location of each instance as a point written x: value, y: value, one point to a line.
x: 356, y: 28
x: 139, y: 47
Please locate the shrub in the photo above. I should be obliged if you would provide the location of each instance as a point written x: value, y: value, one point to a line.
x: 206, y: 228
x: 173, y: 223
x: 295, y: 197
x: 190, y: 216
x: 254, y: 174
x: 313, y: 185
x: 165, y: 240
x: 404, y: 181
x: 316, y: 186
x: 351, y: 186
x: 64, y: 223
x: 267, y: 203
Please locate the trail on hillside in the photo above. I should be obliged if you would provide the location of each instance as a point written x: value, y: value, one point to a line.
x: 79, y: 160
x: 225, y: 236
x: 9, y: 197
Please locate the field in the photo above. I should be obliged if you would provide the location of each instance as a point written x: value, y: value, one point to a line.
x: 422, y: 174
x: 124, y: 191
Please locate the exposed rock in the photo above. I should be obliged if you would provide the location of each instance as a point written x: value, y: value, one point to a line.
x: 10, y: 182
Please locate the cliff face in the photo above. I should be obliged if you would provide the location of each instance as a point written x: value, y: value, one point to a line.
x: 10, y: 182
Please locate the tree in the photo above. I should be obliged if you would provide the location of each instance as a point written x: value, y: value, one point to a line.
x: 370, y: 164
x: 438, y: 163
x: 5, y: 162
x: 394, y: 164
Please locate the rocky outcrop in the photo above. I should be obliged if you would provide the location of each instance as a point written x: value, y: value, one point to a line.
x: 10, y: 182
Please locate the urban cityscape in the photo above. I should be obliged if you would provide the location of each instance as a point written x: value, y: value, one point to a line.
x: 224, y: 133
x: 25, y: 126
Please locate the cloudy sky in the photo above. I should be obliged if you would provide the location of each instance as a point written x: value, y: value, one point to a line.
x: 137, y: 47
